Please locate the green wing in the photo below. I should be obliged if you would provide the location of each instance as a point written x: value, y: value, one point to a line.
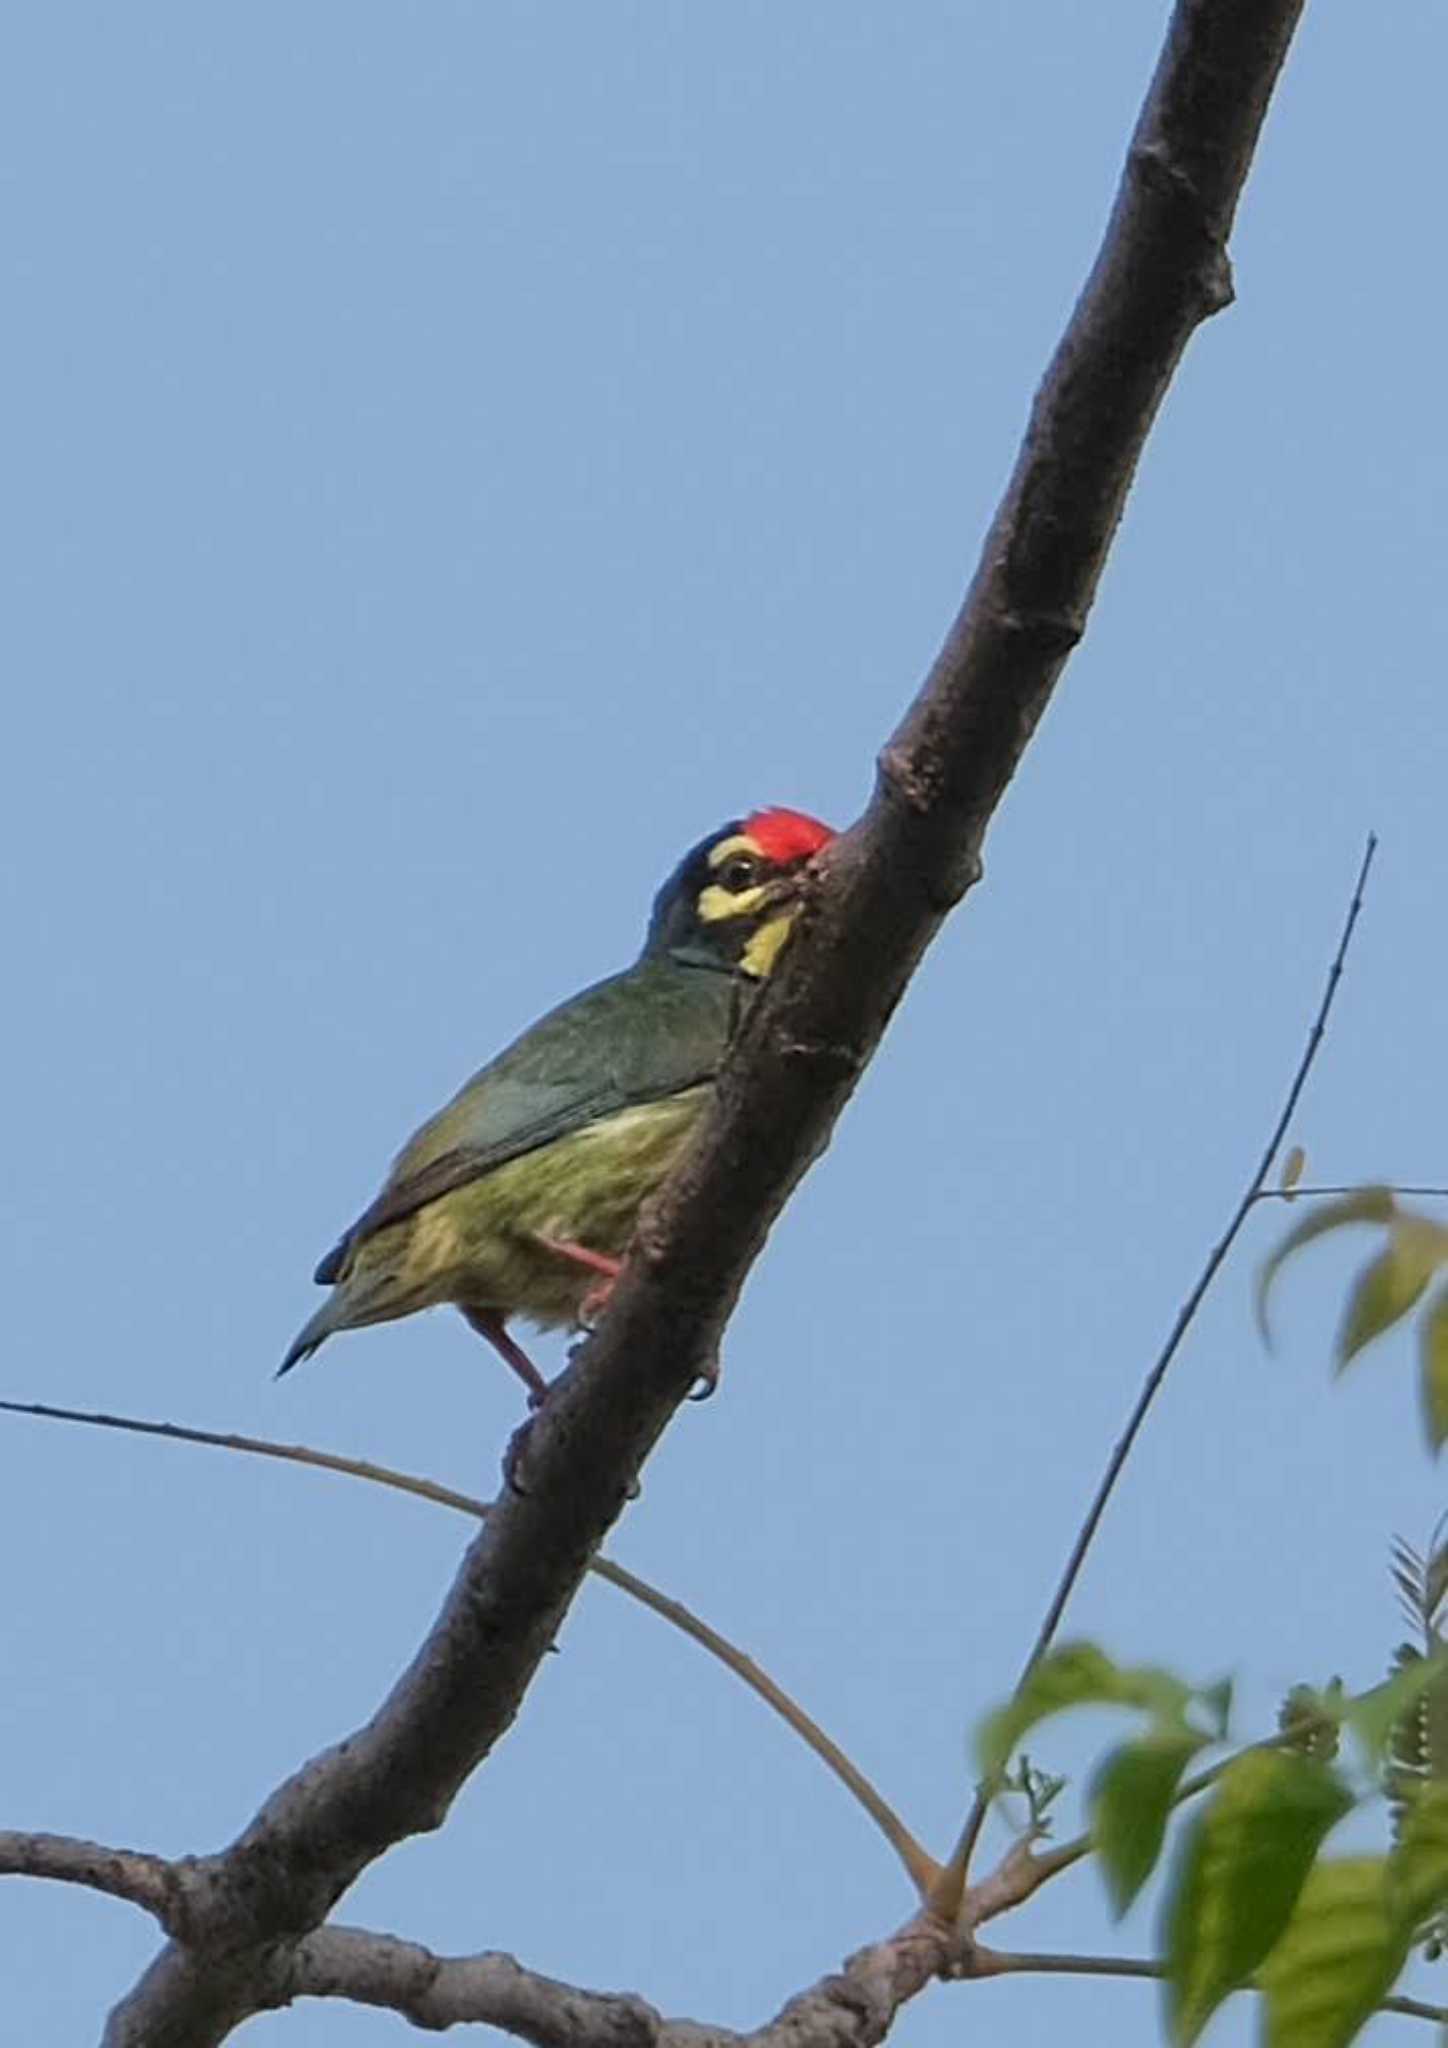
x: 650, y: 1032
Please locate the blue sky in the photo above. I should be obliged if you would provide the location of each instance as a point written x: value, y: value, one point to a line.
x: 456, y: 456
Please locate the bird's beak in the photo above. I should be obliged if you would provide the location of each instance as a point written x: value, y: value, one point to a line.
x: 783, y: 890
x: 788, y: 888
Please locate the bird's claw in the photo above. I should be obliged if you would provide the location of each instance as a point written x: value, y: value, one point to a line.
x: 514, y: 1455
x: 517, y: 1451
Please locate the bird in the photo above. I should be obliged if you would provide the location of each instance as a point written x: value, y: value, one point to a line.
x: 519, y: 1197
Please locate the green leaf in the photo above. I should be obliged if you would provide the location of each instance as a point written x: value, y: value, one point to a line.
x: 1435, y: 1580
x: 1409, y: 1573
x: 1311, y: 1718
x: 1389, y: 1285
x: 1418, y: 1867
x: 1374, y: 1715
x: 1338, y: 1960
x: 1077, y: 1675
x: 1131, y: 1800
x: 1433, y: 1363
x: 1363, y: 1205
x: 1238, y: 1874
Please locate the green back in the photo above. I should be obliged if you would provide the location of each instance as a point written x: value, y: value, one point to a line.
x: 658, y: 1028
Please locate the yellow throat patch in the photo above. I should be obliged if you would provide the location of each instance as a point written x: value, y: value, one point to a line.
x: 763, y: 949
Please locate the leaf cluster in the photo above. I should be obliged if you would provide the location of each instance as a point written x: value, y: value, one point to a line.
x: 1249, y: 1898
x: 1388, y: 1288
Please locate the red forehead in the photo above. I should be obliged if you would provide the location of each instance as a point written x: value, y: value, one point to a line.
x: 784, y: 835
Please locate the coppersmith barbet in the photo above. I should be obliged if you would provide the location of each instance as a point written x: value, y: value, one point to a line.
x: 519, y: 1197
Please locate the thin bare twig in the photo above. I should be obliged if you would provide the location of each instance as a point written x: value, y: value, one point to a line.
x: 920, y: 1867
x: 1001, y: 1963
x: 258, y: 1447
x: 1186, y: 1315
x: 991, y: 1962
x: 950, y: 1890
x: 1306, y: 1194
x: 1415, y: 2009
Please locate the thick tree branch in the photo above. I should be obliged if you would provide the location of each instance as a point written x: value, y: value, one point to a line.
x: 886, y: 887
x: 856, y: 2007
x: 146, y: 1881
x: 851, y: 2008
x: 437, y: 1992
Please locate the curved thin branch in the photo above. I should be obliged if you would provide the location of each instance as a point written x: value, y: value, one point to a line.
x: 1216, y: 1258
x: 884, y: 889
x: 951, y: 1885
x: 920, y: 1867
x: 1002, y: 1963
x: 258, y: 1447
x: 146, y: 1881
x: 1308, y: 1194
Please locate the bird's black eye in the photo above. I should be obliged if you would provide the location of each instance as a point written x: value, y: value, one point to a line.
x: 739, y: 872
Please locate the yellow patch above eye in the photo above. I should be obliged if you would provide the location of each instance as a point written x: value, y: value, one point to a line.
x: 716, y: 902
x: 727, y: 848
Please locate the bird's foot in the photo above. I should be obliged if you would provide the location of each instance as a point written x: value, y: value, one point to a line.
x: 706, y: 1383
x: 594, y: 1303
x: 514, y: 1456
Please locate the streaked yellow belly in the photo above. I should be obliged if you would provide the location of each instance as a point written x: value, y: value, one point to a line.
x: 477, y: 1245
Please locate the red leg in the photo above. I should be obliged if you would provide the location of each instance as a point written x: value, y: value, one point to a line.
x: 490, y: 1324
x: 580, y: 1255
x: 608, y: 1269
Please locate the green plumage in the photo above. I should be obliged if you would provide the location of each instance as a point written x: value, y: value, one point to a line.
x: 477, y: 1246
x: 564, y: 1135
x: 524, y: 1189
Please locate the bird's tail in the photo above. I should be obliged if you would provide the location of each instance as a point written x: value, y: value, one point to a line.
x: 368, y: 1294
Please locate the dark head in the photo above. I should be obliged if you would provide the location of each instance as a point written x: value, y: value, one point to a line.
x: 731, y: 900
